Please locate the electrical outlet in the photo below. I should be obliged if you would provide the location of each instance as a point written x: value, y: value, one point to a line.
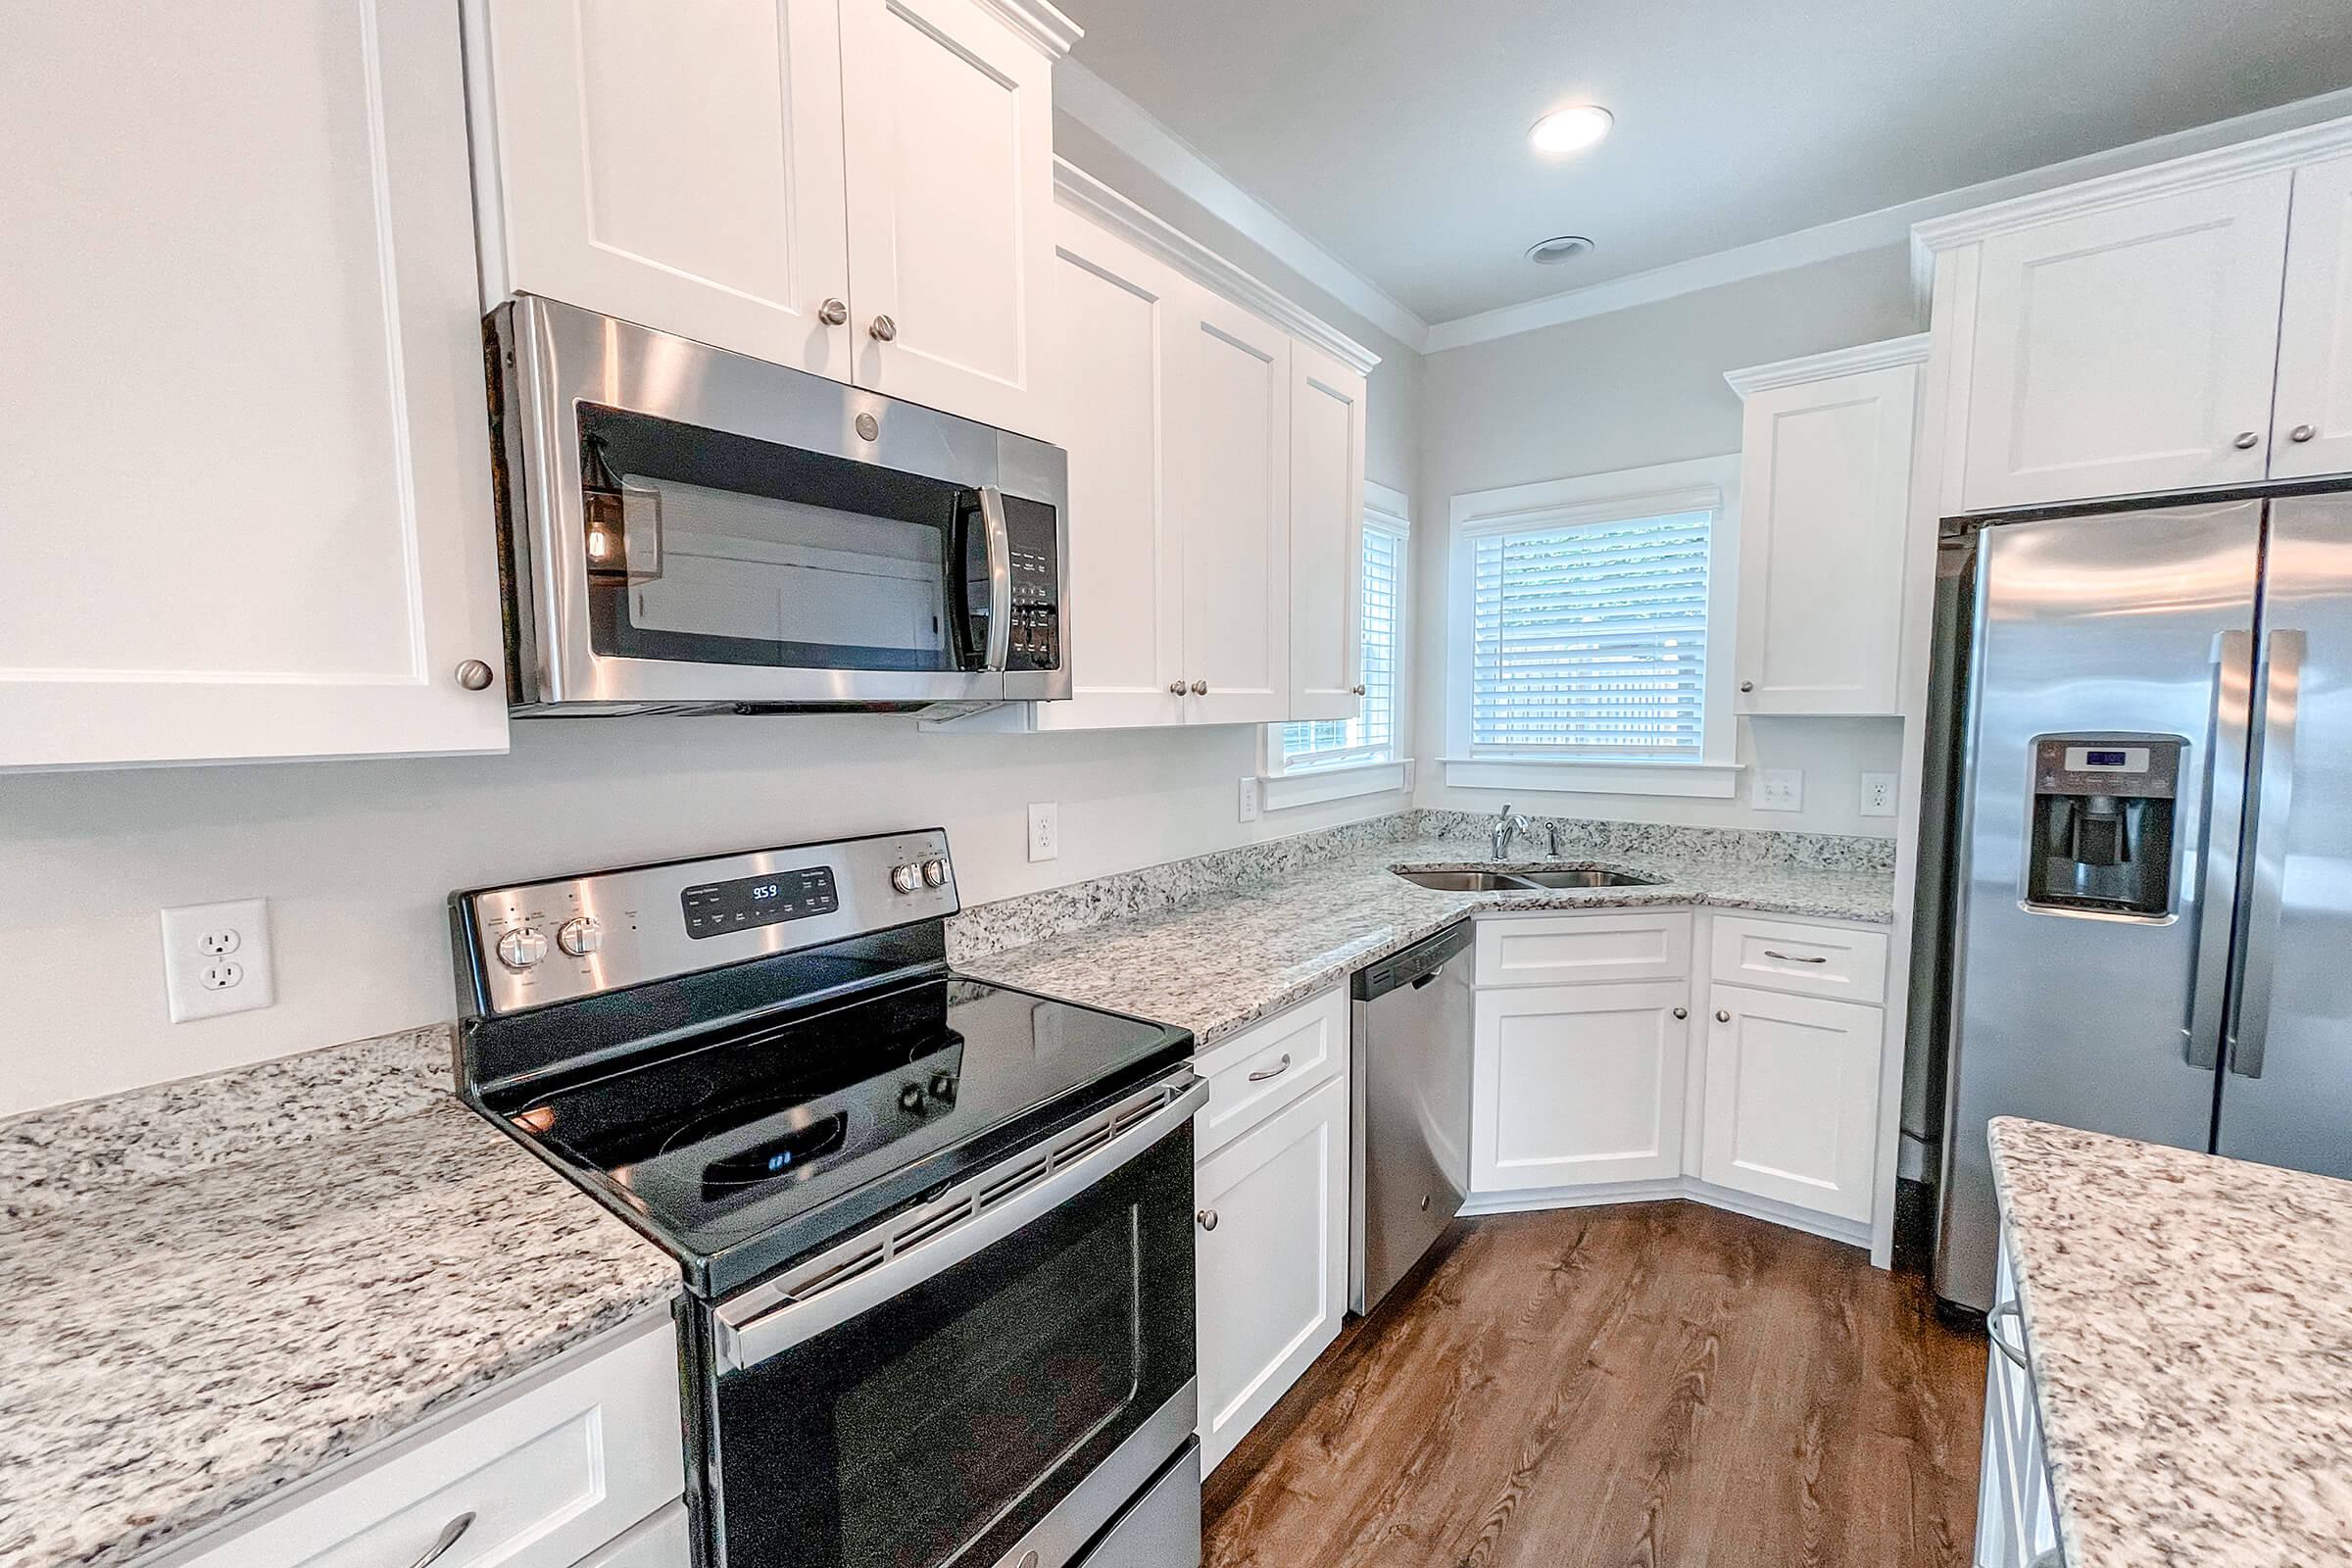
x: 1779, y: 789
x: 1250, y: 800
x: 1877, y: 795
x: 1045, y: 830
x: 1408, y: 772
x: 201, y: 977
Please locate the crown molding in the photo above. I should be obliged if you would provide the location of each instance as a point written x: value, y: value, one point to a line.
x: 1883, y: 355
x: 1118, y: 120
x: 1083, y: 194
x: 1039, y: 22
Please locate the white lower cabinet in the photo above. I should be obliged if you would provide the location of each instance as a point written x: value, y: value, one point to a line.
x: 1577, y: 1083
x: 1271, y: 1248
x: 2016, y: 1513
x: 1791, y: 1099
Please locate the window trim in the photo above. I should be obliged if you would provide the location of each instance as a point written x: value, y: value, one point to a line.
x: 1625, y: 493
x: 1283, y: 784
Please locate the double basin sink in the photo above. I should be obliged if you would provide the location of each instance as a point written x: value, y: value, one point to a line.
x: 1584, y: 876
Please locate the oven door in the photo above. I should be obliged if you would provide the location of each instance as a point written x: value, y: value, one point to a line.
x: 991, y: 1384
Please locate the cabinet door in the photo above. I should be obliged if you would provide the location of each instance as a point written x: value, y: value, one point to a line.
x: 1791, y: 1099
x: 679, y: 167
x: 1572, y: 1085
x: 1272, y: 1267
x: 1824, y: 497
x: 1108, y: 375
x: 950, y: 195
x: 242, y: 423
x: 2128, y: 349
x: 1230, y: 441
x: 2313, y: 429
x: 1327, y: 535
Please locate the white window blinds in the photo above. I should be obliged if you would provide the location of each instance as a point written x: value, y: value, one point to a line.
x: 1589, y: 639
x: 1370, y: 737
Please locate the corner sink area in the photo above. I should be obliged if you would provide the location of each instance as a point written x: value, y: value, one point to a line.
x: 1583, y: 876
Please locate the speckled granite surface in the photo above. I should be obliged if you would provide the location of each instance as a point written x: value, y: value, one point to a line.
x: 1224, y: 960
x: 2189, y: 1323
x: 218, y: 1286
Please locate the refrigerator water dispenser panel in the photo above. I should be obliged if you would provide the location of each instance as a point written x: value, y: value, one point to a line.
x: 2104, y: 806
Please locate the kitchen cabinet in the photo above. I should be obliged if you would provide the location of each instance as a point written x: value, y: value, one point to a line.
x: 1327, y: 536
x: 2017, y: 1512
x: 856, y: 188
x: 1578, y: 1084
x: 1791, y: 1099
x: 1825, y: 479
x: 2312, y: 421
x: 243, y: 425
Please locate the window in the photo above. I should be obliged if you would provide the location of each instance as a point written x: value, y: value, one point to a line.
x: 1370, y: 736
x: 1583, y: 616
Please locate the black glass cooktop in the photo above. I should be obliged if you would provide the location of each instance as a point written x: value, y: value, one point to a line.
x: 745, y: 1147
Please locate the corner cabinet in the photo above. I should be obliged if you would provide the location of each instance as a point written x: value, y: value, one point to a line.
x: 1825, y: 457
x: 856, y: 188
x: 2183, y: 326
x: 243, y: 425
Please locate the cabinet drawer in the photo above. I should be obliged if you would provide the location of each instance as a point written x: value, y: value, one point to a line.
x: 661, y: 1541
x: 550, y: 1475
x: 1268, y: 1065
x: 1811, y: 960
x: 1574, y: 949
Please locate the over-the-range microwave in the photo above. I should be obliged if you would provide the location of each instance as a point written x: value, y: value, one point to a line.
x: 688, y: 529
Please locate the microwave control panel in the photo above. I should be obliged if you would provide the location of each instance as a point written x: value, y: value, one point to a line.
x: 1034, y: 535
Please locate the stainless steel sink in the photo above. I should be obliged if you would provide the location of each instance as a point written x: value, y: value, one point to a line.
x: 1523, y: 881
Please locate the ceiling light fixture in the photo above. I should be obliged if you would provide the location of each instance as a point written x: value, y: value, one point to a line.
x: 1572, y: 130
x: 1560, y: 248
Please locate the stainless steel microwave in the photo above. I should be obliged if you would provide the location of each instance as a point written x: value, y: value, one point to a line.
x: 687, y: 529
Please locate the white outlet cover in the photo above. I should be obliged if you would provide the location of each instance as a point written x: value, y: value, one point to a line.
x: 1779, y: 789
x: 197, y: 941
x: 1045, y: 830
x: 1877, y: 795
x: 1249, y: 805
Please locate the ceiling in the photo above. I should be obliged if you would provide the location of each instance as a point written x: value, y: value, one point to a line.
x: 1392, y: 132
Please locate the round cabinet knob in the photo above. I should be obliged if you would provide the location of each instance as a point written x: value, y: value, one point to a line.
x: 1199, y: 688
x: 1682, y: 1012
x: 1208, y: 1219
x: 474, y: 676
x: 1722, y: 1017
x: 2246, y: 441
x: 884, y: 329
x: 1747, y: 685
x: 935, y: 873
x: 906, y: 878
x: 522, y: 949
x: 1177, y: 688
x: 1358, y: 690
x: 2303, y: 432
x: 580, y: 936
x: 833, y: 312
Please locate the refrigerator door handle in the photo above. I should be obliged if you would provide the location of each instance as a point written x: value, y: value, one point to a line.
x: 2224, y: 809
x: 2273, y: 773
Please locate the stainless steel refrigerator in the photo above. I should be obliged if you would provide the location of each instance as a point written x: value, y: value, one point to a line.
x: 2147, y: 922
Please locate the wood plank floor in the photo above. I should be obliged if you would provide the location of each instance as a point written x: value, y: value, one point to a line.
x: 1651, y: 1385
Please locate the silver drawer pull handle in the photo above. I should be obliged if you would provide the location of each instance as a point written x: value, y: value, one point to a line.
x: 1791, y: 957
x: 1275, y: 1071
x: 2015, y: 1356
x: 450, y: 1534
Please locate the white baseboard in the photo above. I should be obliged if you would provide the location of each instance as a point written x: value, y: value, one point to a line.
x: 1851, y: 1232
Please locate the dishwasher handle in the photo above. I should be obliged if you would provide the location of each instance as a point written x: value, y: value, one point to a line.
x: 1412, y: 966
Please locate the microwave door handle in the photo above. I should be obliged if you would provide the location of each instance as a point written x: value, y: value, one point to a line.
x: 2224, y: 801
x: 1000, y: 579
x: 2273, y: 788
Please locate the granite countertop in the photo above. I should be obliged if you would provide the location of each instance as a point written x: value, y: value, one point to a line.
x: 1219, y: 961
x: 2188, y: 1320
x: 221, y: 1286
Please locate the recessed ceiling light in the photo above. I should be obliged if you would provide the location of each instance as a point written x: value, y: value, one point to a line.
x: 1567, y: 131
x: 1559, y: 248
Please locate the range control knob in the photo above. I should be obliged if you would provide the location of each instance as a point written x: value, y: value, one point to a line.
x: 521, y: 949
x: 580, y: 936
x: 910, y: 1097
x: 935, y: 873
x: 943, y: 1088
x: 906, y: 878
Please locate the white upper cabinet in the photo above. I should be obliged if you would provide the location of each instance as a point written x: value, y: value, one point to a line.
x: 1824, y: 490
x: 2311, y: 426
x: 950, y: 193
x: 1327, y: 535
x: 674, y: 166
x: 857, y: 188
x: 242, y: 422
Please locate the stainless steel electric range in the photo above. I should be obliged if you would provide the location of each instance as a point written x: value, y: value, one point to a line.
x: 936, y: 1234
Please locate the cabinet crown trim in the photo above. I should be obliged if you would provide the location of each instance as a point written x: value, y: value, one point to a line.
x: 1892, y: 352
x: 2288, y: 149
x: 1039, y: 22
x: 1083, y: 194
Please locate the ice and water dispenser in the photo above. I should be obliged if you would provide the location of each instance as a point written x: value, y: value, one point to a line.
x: 2104, y: 809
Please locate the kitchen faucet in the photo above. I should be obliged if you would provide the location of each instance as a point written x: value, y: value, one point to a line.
x: 1508, y: 826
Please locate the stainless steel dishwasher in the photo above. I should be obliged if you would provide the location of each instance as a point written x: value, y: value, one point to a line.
x: 1410, y: 1038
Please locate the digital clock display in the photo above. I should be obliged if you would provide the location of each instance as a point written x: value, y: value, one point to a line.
x: 713, y: 908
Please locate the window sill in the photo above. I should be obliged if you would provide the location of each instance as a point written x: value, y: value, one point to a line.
x: 1317, y: 785
x: 1717, y: 781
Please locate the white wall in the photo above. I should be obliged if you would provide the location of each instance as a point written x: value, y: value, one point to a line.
x: 1626, y: 390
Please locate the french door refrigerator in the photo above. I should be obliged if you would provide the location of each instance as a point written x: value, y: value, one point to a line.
x: 2147, y: 923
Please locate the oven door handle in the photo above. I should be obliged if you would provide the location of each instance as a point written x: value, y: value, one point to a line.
x: 762, y: 1332
x: 1000, y: 579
